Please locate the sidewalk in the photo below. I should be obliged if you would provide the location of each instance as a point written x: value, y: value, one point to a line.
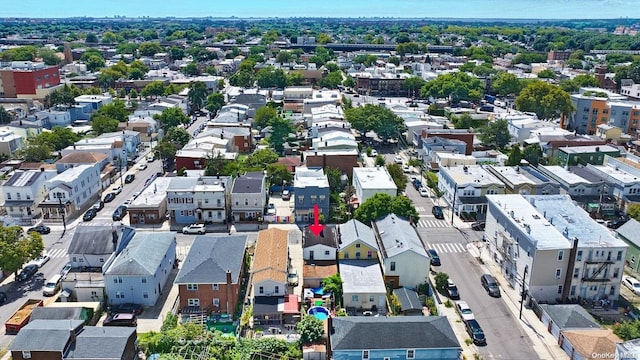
x: 542, y: 341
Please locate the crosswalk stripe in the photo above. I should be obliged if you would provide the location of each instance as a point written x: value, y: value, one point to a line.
x: 57, y: 253
x: 432, y: 223
x: 420, y: 209
x: 448, y: 247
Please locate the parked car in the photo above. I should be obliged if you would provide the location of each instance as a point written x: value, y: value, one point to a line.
x: 109, y: 197
x: 464, y: 311
x: 437, y: 212
x: 423, y: 192
x: 129, y: 178
x: 142, y: 166
x: 127, y: 202
x: 40, y: 260
x: 292, y: 277
x: 66, y: 269
x: 632, y: 283
x: 490, y: 285
x: 398, y: 159
x: 406, y: 169
x: 121, y: 319
x: 89, y: 215
x: 476, y: 333
x: 117, y: 190
x: 435, y: 258
x: 98, y: 205
x: 271, y: 209
x: 452, y: 290
x: 119, y: 213
x: 478, y: 226
x: 3, y: 298
x: 417, y: 184
x: 194, y: 229
x: 27, y: 272
x: 614, y: 224
x: 127, y: 308
x: 286, y: 195
x: 40, y: 229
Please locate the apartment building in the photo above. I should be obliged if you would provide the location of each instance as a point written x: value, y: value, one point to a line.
x: 26, y: 79
x: 564, y: 253
x: 369, y: 181
x: 465, y: 187
x: 593, y: 109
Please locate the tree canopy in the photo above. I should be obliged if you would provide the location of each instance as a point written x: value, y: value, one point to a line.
x: 310, y: 329
x: 171, y: 117
x: 546, y: 100
x: 496, y: 134
x: 16, y: 249
x: 457, y: 86
x: 382, y: 204
x: 377, y: 118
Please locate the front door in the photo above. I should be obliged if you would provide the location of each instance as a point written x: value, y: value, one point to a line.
x: 311, y: 255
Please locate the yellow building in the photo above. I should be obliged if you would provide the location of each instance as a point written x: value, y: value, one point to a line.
x: 356, y: 241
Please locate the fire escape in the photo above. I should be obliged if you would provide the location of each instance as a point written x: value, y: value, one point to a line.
x: 509, y: 252
x: 603, y: 264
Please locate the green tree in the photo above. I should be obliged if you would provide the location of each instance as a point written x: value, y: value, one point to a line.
x: 215, y: 102
x: 280, y: 130
x: 398, y: 176
x: 277, y: 174
x: 413, y: 85
x: 35, y: 153
x: 56, y: 139
x: 166, y: 150
x: 17, y: 249
x: 374, y: 117
x: 94, y: 63
x: 264, y: 117
x: 176, y: 53
x: 627, y: 330
x: 546, y: 100
x: 442, y: 280
x: 149, y: 48
x: 91, y: 38
x: 380, y: 160
x: 50, y: 57
x: 334, y: 176
x: 65, y: 96
x: 262, y: 157
x: 116, y: 110
x: 349, y: 82
x: 270, y: 77
x: 547, y: 74
x: 134, y: 94
x: 101, y: 124
x: 284, y: 56
x: 382, y: 204
x: 153, y: 89
x: 171, y: 117
x: 242, y: 79
x: 178, y: 137
x: 515, y: 156
x: 197, y: 95
x: 533, y: 154
x: 333, y: 285
x: 5, y: 117
x: 331, y: 81
x: 506, y: 84
x: 496, y: 134
x: 457, y: 86
x: 310, y: 329
x: 191, y: 69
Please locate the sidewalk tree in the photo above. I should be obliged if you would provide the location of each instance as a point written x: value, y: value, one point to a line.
x: 16, y: 249
x: 381, y: 204
x: 197, y: 95
x: 398, y: 176
x: 166, y: 150
x: 310, y: 329
x: 413, y: 85
x: 178, y: 137
x: 215, y: 102
x: 546, y: 100
x: 442, y: 280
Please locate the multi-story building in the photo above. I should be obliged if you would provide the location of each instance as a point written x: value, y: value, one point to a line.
x: 70, y: 192
x: 555, y: 246
x: 248, y: 197
x: 199, y: 199
x: 524, y: 180
x: 23, y: 192
x: 310, y: 188
x: 10, y: 142
x: 369, y: 181
x: 26, y: 79
x: 574, y: 155
x: 593, y: 109
x: 465, y: 187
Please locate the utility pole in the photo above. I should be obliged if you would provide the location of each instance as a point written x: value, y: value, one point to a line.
x: 453, y: 204
x: 524, y: 292
x: 64, y: 221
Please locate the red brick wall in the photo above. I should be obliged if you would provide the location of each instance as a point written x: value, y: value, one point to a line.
x: 227, y: 293
x: 27, y: 82
x: 346, y: 163
x: 466, y: 137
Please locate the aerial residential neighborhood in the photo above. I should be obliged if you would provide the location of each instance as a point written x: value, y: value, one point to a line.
x: 319, y: 189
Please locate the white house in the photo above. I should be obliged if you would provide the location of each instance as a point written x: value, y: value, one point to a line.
x: 362, y: 285
x: 369, y: 181
x: 319, y: 247
x: 24, y: 191
x: 248, y: 196
x: 73, y: 188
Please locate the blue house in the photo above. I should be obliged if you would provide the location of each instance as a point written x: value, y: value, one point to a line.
x: 398, y: 338
x: 310, y: 187
x: 139, y: 273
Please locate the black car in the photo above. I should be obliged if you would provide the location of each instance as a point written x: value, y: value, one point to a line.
x: 127, y: 308
x: 89, y: 215
x: 40, y: 229
x: 452, y: 290
x: 119, y: 213
x: 435, y: 259
x: 478, y: 226
x: 417, y: 184
x: 121, y: 319
x: 614, y: 224
x: 27, y: 272
x: 129, y: 178
x: 3, y: 297
x: 476, y: 332
x: 109, y: 197
x: 437, y: 212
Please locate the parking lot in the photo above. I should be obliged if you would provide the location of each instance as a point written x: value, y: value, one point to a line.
x: 284, y: 208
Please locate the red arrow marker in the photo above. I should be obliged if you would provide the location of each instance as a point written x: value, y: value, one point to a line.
x: 316, y: 228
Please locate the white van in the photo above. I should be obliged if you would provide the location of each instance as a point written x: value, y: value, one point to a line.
x: 52, y: 286
x: 150, y: 157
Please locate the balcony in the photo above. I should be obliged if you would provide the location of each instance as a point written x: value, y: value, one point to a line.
x: 599, y: 260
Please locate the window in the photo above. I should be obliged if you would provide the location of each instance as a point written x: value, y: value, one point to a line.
x: 558, y: 273
x: 354, y: 298
x: 576, y: 273
x: 215, y: 287
x: 369, y: 254
x: 365, y: 354
x: 579, y: 256
x: 393, y: 266
x: 277, y: 289
x: 357, y: 246
x: 192, y: 286
x: 119, y: 295
x: 616, y: 272
x: 120, y: 279
x: 26, y: 354
x: 559, y: 289
x: 101, y: 260
x: 145, y: 295
x: 411, y: 353
x: 327, y: 252
x: 193, y: 302
x: 573, y: 290
x: 144, y: 280
x: 216, y: 302
x: 612, y: 291
x: 560, y: 255
x: 357, y: 254
x: 261, y: 290
x: 619, y: 256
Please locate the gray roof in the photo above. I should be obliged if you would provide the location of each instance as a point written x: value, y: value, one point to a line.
x: 352, y: 231
x: 630, y: 232
x: 144, y: 254
x: 94, y: 239
x: 397, y: 332
x: 210, y: 257
x: 250, y: 183
x: 570, y: 316
x: 327, y: 237
x: 101, y: 343
x: 45, y: 335
x: 56, y: 313
x: 23, y: 178
x: 397, y: 236
x: 361, y: 276
x: 408, y: 298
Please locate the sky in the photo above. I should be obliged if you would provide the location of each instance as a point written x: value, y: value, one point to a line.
x: 494, y: 9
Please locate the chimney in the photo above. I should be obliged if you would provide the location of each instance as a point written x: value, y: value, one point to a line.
x: 229, y: 280
x: 72, y: 335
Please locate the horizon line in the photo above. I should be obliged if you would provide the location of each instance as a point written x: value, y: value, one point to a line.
x: 122, y: 17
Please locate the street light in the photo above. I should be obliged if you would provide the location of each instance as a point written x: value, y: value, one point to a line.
x: 62, y: 210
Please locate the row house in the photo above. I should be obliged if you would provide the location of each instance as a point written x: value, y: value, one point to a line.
x: 525, y: 180
x: 71, y: 191
x: 465, y: 187
x: 249, y: 197
x: 23, y: 192
x: 310, y: 188
x: 239, y: 137
x: 204, y: 199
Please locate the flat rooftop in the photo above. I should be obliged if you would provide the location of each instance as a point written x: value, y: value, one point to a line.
x: 152, y: 195
x: 617, y: 174
x: 565, y: 175
x: 471, y: 174
x: 588, y: 149
x: 373, y: 178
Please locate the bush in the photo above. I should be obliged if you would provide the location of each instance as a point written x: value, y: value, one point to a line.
x: 442, y: 280
x: 430, y: 303
x: 448, y: 304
